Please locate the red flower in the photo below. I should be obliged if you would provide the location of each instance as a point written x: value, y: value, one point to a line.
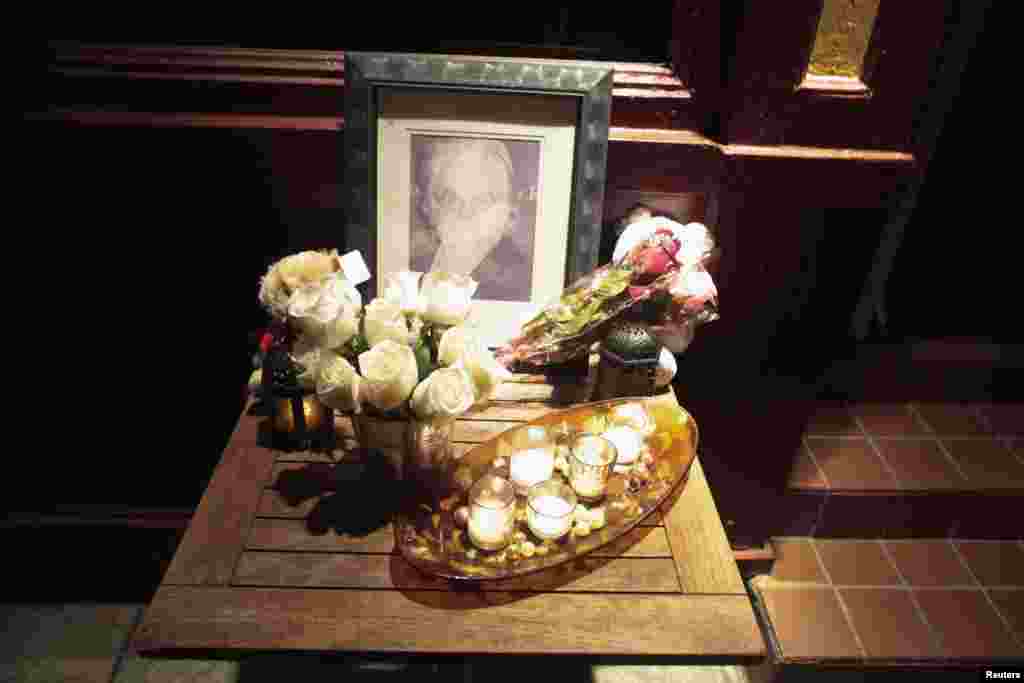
x: 638, y: 293
x: 652, y: 262
x: 666, y: 239
x: 266, y: 341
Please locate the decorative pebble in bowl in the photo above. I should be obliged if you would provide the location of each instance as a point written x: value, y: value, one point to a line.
x: 661, y: 438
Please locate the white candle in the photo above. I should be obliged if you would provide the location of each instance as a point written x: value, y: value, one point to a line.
x: 627, y: 442
x: 490, y: 529
x: 530, y: 467
x: 631, y: 415
x: 589, y: 484
x: 590, y: 479
x: 549, y: 517
x: 492, y: 510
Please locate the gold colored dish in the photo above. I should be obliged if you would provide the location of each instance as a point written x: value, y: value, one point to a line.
x: 431, y: 532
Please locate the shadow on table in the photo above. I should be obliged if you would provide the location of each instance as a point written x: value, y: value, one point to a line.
x: 355, y: 497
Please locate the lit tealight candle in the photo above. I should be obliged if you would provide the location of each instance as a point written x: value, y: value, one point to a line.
x: 590, y: 464
x: 530, y: 467
x: 628, y: 444
x: 632, y: 415
x: 549, y: 512
x: 492, y: 512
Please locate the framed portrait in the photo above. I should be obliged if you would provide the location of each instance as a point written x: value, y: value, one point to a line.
x: 494, y: 168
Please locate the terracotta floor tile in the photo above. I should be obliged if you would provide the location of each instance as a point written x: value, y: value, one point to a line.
x: 888, y: 419
x: 859, y: 563
x: 967, y: 624
x: 1010, y: 604
x: 929, y: 562
x: 810, y: 624
x: 888, y: 623
x: 851, y: 464
x: 1005, y: 418
x: 795, y: 561
x: 920, y: 464
x: 805, y: 474
x: 831, y: 418
x: 988, y: 463
x: 995, y: 563
x: 952, y: 419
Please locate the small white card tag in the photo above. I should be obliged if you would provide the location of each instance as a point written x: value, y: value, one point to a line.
x: 354, y: 267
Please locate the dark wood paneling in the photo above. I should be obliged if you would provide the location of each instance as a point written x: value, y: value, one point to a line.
x: 767, y: 106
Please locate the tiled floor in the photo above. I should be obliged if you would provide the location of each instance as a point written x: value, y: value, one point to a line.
x: 885, y: 601
x: 922, y: 446
x: 913, y: 469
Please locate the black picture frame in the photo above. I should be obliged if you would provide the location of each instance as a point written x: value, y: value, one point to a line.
x: 590, y: 82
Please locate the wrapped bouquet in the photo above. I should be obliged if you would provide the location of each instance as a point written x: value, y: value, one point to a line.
x: 658, y: 269
x: 406, y: 354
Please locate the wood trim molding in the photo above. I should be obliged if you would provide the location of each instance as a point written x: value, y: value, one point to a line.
x: 188, y: 119
x: 288, y: 83
x: 302, y: 67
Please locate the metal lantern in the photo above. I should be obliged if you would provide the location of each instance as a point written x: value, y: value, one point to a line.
x: 629, y: 362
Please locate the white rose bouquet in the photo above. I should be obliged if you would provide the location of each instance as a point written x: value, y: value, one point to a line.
x: 406, y: 354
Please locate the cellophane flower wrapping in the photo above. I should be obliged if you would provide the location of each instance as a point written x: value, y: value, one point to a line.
x: 658, y: 270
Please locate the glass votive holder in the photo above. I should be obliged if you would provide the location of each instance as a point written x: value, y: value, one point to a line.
x: 492, y: 512
x: 632, y: 415
x: 549, y: 509
x: 532, y: 458
x: 591, y: 458
x: 628, y: 444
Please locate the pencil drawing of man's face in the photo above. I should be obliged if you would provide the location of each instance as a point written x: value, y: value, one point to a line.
x: 467, y: 215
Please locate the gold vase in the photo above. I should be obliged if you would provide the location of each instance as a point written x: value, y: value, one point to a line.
x: 417, y: 451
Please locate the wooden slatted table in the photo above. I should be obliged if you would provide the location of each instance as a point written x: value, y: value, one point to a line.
x: 251, y: 575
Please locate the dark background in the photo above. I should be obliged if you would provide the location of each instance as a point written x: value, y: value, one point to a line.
x: 158, y: 241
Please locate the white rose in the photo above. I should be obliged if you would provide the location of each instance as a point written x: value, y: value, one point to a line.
x: 695, y: 243
x: 448, y: 392
x: 274, y: 295
x: 338, y: 310
x: 693, y: 288
x: 306, y: 268
x: 307, y: 353
x: 461, y: 347
x: 389, y: 373
x: 338, y: 383
x: 403, y: 289
x: 448, y: 297
x: 695, y: 240
x: 302, y: 308
x: 457, y: 343
x: 384, y: 320
x: 486, y: 373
